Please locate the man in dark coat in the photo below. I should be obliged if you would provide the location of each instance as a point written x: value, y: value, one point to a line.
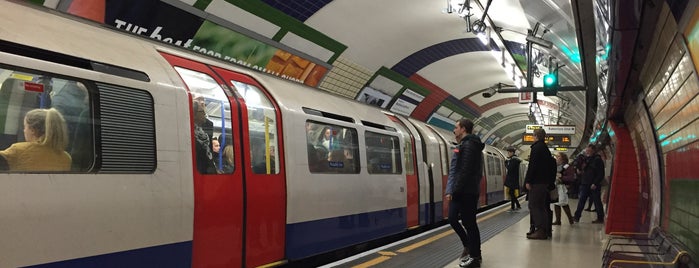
x: 468, y: 173
x: 512, y: 177
x: 590, y: 184
x: 539, y: 180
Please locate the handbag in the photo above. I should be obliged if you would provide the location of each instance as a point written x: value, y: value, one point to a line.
x: 562, y: 195
x: 553, y: 195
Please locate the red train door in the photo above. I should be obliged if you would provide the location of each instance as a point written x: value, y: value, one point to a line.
x: 218, y: 194
x: 265, y: 185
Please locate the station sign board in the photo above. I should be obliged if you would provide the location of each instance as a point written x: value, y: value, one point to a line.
x: 551, y: 129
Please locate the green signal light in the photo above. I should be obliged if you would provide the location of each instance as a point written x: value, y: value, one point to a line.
x: 549, y: 80
x: 550, y: 84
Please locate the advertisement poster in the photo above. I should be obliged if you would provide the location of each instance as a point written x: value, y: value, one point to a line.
x: 165, y: 23
x: 374, y: 97
x: 691, y: 34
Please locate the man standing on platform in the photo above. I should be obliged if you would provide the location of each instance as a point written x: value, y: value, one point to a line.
x: 590, y: 184
x: 464, y: 195
x: 537, y: 181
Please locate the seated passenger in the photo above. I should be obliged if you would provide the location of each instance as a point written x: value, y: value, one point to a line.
x: 46, y: 139
x: 317, y: 158
x: 228, y: 164
x: 325, y: 138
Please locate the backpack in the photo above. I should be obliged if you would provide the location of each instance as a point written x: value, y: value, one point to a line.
x: 568, y: 174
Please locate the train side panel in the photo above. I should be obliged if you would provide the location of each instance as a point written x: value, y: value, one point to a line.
x: 84, y: 217
x: 335, y: 206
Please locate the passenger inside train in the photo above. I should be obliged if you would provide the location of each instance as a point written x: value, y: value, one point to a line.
x: 38, y: 98
x: 205, y: 160
x: 46, y: 138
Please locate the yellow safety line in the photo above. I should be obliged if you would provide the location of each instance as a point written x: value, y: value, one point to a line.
x: 372, y: 262
x: 424, y: 242
x: 274, y: 264
x: 385, y: 254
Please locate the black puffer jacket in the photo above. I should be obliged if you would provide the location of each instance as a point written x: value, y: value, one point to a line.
x: 512, y: 179
x: 542, y: 167
x: 469, y: 166
x: 593, y: 172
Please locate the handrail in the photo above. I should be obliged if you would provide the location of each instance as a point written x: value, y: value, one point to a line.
x: 679, y: 255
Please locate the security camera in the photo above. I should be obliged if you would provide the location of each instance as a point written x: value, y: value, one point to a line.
x: 489, y: 92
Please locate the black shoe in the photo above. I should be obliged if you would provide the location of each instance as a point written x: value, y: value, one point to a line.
x: 539, y: 235
x: 588, y: 209
x: 598, y: 221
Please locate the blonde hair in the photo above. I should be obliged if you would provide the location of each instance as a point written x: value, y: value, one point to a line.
x: 49, y: 126
x: 228, y: 154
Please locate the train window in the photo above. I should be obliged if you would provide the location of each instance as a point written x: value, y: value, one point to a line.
x: 332, y: 148
x: 214, y: 151
x: 262, y: 124
x: 491, y: 165
x: 407, y: 147
x: 498, y: 166
x: 445, y: 160
x: 408, y: 156
x: 45, y: 124
x: 383, y: 154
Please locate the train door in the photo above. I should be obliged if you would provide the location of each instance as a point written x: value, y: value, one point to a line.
x: 413, y: 198
x: 445, y: 154
x: 218, y: 182
x: 265, y: 185
x: 433, y: 176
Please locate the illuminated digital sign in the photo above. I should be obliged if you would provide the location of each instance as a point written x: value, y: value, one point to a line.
x: 551, y: 140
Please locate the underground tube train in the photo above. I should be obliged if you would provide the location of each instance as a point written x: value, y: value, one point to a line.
x: 180, y: 160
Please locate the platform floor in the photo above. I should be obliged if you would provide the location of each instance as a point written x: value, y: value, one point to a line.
x: 572, y: 246
x: 503, y: 244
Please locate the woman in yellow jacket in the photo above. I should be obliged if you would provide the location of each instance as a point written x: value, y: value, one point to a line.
x: 44, y: 149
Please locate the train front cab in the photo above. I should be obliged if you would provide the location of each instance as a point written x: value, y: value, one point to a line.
x: 244, y: 119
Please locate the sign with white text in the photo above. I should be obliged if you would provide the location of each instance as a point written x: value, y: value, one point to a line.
x: 551, y: 129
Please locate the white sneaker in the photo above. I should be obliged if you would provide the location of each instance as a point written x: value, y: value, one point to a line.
x: 466, y: 261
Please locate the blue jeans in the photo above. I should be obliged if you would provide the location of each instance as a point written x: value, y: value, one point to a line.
x: 464, y: 208
x: 596, y: 197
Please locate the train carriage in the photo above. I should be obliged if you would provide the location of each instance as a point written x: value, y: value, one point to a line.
x: 297, y: 172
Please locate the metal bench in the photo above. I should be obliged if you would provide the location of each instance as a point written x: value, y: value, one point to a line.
x: 653, y: 249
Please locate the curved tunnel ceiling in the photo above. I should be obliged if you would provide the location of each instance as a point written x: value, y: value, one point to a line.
x: 416, y: 37
x: 426, y: 55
